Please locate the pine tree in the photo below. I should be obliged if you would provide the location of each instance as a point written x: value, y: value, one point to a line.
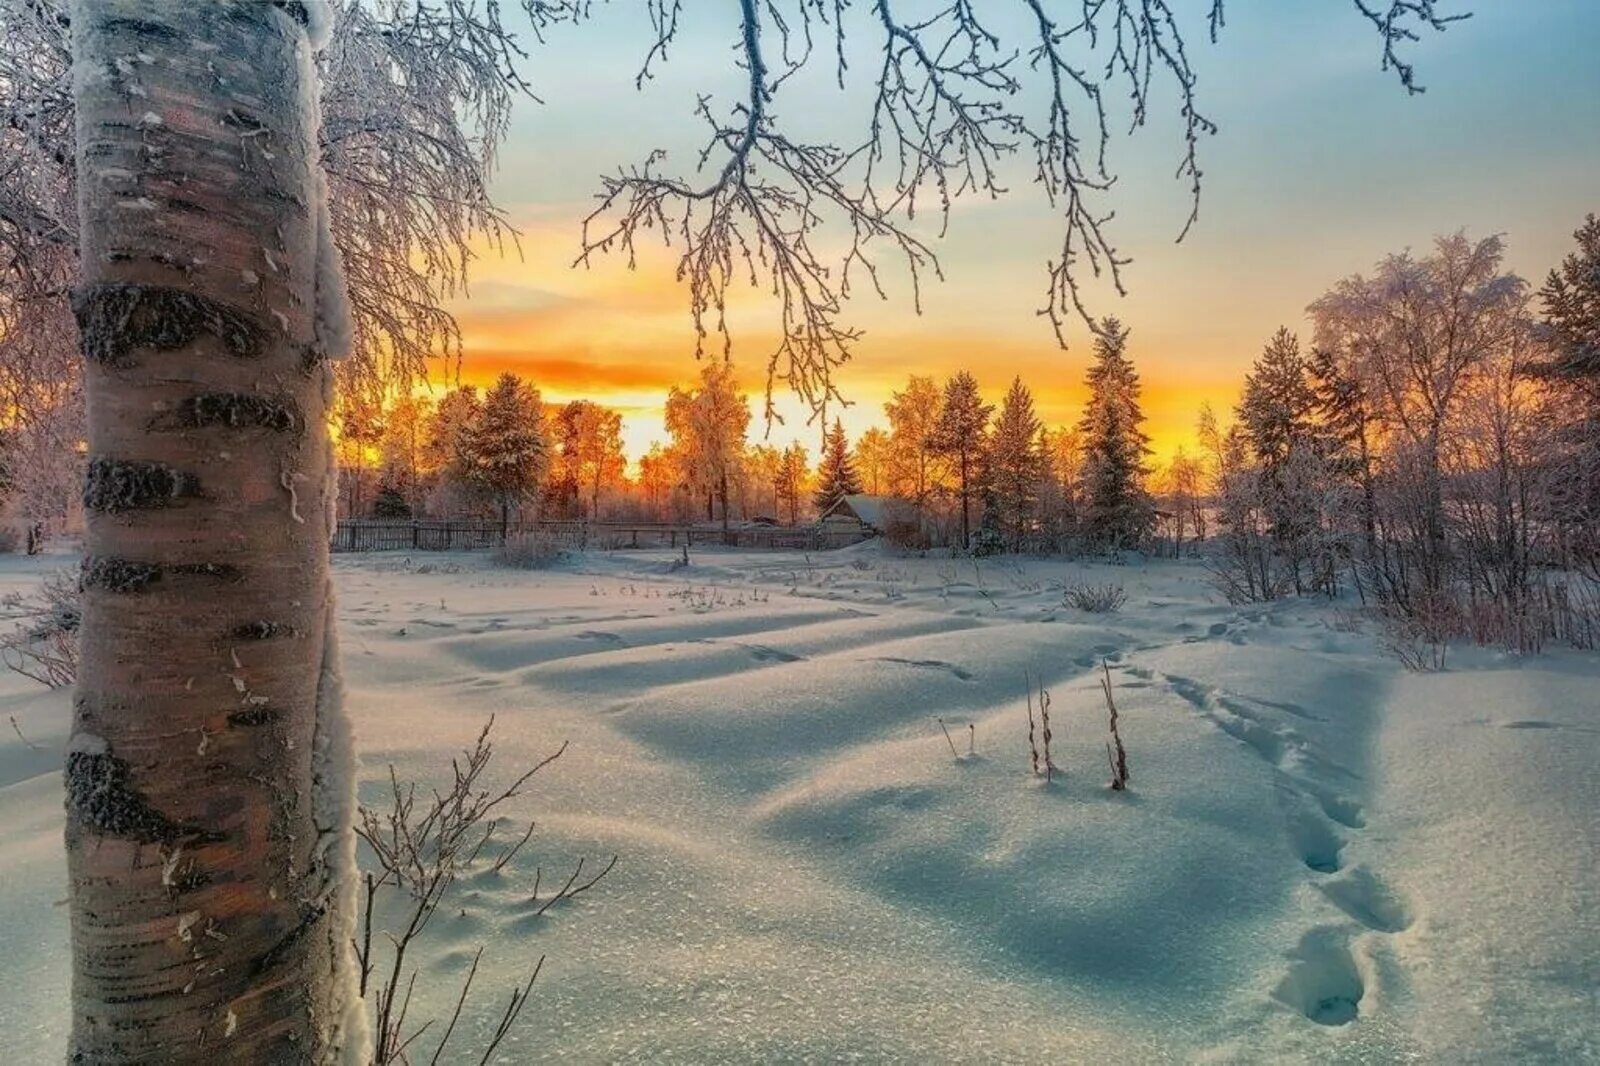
x: 1571, y: 297
x: 1016, y: 466
x: 1118, y: 511
x: 505, y: 446
x: 836, y: 477
x: 961, y: 434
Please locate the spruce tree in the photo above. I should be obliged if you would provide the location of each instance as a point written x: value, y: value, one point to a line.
x: 1279, y: 405
x: 1118, y: 511
x: 961, y: 435
x: 1571, y: 298
x: 1016, y: 466
x: 1277, y: 416
x: 836, y: 477
x: 506, y: 451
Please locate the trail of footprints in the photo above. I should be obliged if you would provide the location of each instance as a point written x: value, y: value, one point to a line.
x: 1323, y: 981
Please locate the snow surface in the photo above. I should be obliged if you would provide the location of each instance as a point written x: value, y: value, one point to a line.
x: 1322, y: 858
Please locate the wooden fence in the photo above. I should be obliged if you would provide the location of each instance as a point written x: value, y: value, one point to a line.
x: 456, y: 534
x: 404, y: 534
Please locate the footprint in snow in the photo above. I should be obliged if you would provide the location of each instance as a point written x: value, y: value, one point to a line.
x: 764, y: 654
x: 604, y: 638
x: 931, y: 664
x: 1323, y: 982
x: 1361, y: 895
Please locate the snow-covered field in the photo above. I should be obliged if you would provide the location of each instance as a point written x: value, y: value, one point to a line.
x: 1321, y: 856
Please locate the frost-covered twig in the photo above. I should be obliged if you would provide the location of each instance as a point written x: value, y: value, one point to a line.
x: 421, y: 849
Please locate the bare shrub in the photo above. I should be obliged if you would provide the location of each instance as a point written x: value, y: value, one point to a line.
x: 538, y: 550
x: 43, y: 645
x: 1572, y: 610
x: 1118, y: 756
x: 1420, y: 637
x: 420, y: 850
x: 1095, y: 599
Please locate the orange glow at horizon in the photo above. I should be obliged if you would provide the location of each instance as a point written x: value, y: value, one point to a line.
x: 623, y: 338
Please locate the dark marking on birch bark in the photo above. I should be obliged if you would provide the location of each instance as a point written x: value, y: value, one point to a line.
x: 126, y: 27
x: 295, y: 9
x: 255, y: 716
x: 130, y: 576
x: 269, y: 958
x: 117, y: 575
x: 115, y: 319
x: 100, y: 798
x: 263, y: 631
x: 243, y: 120
x: 116, y: 485
x: 232, y: 410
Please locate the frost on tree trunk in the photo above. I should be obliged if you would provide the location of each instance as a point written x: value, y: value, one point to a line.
x: 207, y: 775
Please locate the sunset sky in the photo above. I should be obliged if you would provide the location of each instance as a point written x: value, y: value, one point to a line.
x: 1322, y: 165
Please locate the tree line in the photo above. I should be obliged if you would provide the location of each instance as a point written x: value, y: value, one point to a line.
x: 963, y: 475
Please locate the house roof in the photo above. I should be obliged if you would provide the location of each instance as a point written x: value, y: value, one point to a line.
x: 871, y: 510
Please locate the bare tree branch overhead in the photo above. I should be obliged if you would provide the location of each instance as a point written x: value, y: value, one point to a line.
x: 953, y: 101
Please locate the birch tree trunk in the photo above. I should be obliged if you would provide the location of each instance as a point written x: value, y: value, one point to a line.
x: 207, y: 807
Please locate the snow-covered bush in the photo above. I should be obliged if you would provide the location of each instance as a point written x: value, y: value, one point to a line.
x: 538, y: 550
x: 1095, y: 599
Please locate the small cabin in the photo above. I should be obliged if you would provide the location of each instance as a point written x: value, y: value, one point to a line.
x: 873, y: 513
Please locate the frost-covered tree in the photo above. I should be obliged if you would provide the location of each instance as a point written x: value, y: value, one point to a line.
x: 658, y: 478
x: 961, y: 435
x: 1183, y: 483
x: 1351, y: 434
x: 505, y: 451
x: 1414, y: 332
x: 1015, y: 466
x: 836, y: 474
x: 792, y: 479
x: 1060, y: 502
x: 359, y: 417
x: 590, y: 440
x: 402, y: 450
x: 873, y: 456
x: 1277, y: 415
x: 708, y: 427
x: 913, y: 414
x: 1571, y: 299
x: 763, y: 475
x: 1117, y: 508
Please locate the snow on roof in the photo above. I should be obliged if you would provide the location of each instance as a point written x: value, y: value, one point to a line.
x: 872, y: 510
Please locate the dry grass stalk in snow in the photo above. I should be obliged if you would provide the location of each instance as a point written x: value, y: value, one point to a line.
x: 1119, y: 757
x: 420, y: 851
x: 1044, y: 731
